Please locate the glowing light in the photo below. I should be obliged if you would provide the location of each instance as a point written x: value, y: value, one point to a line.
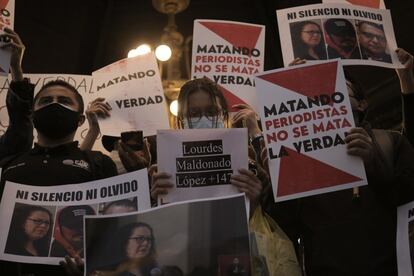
x: 132, y: 53
x: 174, y: 107
x: 143, y: 49
x: 163, y: 52
x: 140, y: 50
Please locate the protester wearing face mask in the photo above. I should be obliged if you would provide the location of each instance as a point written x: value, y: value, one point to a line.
x: 202, y: 105
x: 56, y: 158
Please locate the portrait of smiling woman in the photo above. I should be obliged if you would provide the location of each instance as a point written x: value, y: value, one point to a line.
x: 307, y: 40
x: 30, y: 231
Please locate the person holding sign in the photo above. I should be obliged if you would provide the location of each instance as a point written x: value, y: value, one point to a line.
x: 30, y: 231
x: 307, y: 40
x: 202, y: 105
x: 363, y: 217
x: 19, y: 134
x: 130, y: 151
x: 56, y: 158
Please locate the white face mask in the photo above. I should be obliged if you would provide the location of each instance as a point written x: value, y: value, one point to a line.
x: 119, y: 166
x: 203, y: 122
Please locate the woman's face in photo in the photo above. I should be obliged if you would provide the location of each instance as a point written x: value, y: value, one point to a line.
x: 311, y: 35
x: 139, y: 243
x: 37, y: 225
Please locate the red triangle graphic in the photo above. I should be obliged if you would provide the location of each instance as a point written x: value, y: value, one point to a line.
x: 367, y: 3
x: 314, y: 174
x: 308, y: 81
x: 231, y: 99
x: 3, y: 4
x: 236, y: 34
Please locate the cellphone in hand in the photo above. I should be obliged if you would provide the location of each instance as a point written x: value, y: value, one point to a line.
x: 134, y: 139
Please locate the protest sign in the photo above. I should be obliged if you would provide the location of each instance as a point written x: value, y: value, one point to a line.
x: 405, y: 239
x: 6, y: 21
x: 133, y: 89
x: 304, y: 124
x: 358, y: 35
x: 375, y: 4
x: 201, y: 161
x: 229, y: 53
x: 53, y: 215
x: 83, y: 83
x: 189, y: 238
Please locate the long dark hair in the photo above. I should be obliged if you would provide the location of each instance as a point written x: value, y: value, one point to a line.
x: 300, y: 49
x: 203, y: 84
x: 17, y: 238
x: 123, y: 235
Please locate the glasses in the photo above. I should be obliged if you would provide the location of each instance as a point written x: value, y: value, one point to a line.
x: 141, y: 239
x: 312, y: 32
x: 211, y: 113
x: 371, y: 36
x: 39, y: 222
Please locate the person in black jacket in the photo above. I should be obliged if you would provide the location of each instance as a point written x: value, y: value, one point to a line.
x: 56, y: 158
x: 19, y: 101
x: 353, y: 231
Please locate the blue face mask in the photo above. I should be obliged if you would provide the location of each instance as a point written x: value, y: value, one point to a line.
x: 203, y: 122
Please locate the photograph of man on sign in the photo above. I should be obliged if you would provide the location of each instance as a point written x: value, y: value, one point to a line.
x: 341, y: 39
x: 373, y: 42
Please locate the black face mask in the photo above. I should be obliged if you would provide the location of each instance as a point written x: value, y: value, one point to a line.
x: 55, y: 121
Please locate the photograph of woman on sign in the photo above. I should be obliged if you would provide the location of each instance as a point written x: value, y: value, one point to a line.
x: 30, y: 231
x: 307, y: 40
x: 135, y: 249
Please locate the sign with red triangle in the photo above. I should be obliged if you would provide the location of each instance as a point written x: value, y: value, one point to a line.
x: 231, y: 99
x: 304, y: 127
x: 375, y: 4
x: 238, y: 35
x: 229, y: 53
x: 313, y: 80
x: 318, y: 174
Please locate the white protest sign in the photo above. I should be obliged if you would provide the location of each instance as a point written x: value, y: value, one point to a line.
x: 175, y: 239
x: 201, y: 161
x: 51, y: 211
x: 375, y: 4
x: 229, y: 53
x: 6, y: 21
x: 304, y: 124
x: 358, y: 35
x: 405, y: 239
x: 133, y: 89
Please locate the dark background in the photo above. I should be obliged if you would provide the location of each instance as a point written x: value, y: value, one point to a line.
x: 78, y: 37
